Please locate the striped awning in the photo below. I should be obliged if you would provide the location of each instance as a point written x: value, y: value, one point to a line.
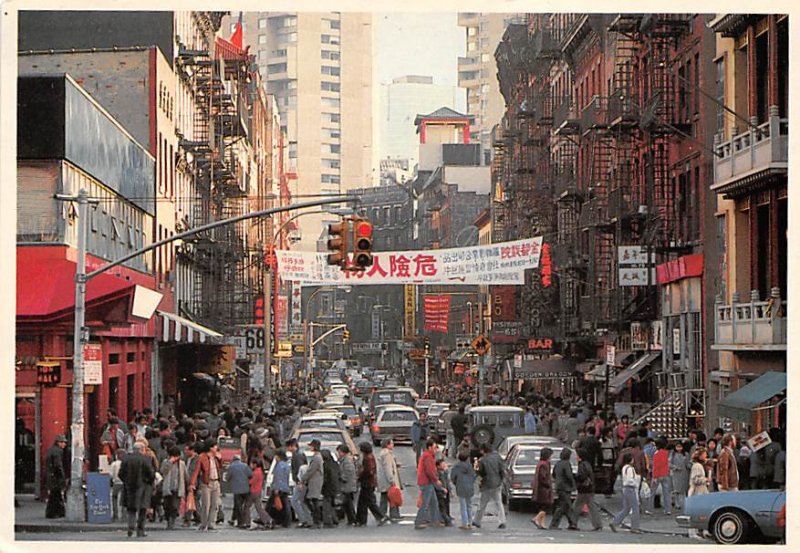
x: 175, y: 328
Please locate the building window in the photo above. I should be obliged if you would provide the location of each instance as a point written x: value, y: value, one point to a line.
x: 276, y: 68
x: 472, y: 31
x: 335, y: 148
x: 335, y: 118
x: 325, y: 39
x: 262, y: 23
x: 330, y: 87
x: 289, y: 21
x: 291, y: 37
x: 262, y: 39
x: 330, y: 70
x: 113, y: 358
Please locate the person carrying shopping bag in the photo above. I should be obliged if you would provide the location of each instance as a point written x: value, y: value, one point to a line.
x: 631, y: 481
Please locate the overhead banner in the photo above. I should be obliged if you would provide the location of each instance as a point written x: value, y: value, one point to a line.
x: 504, y: 264
x: 437, y: 313
x: 409, y: 296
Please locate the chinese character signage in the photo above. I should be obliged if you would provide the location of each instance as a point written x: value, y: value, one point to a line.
x: 633, y: 255
x: 409, y: 292
x: 296, y: 295
x: 502, y: 263
x: 48, y: 373
x: 636, y: 276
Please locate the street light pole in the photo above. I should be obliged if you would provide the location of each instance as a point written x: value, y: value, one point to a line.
x: 76, y: 502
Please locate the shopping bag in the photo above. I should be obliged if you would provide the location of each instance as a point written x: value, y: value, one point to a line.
x: 395, y: 496
x: 277, y: 503
x: 191, y: 504
x: 644, y: 491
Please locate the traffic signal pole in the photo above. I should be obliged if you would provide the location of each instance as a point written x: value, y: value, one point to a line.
x: 76, y: 500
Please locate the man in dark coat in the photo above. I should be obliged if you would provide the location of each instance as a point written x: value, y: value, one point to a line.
x: 565, y: 485
x: 137, y: 475
x: 56, y: 478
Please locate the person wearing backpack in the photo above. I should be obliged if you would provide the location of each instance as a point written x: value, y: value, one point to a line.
x: 631, y: 481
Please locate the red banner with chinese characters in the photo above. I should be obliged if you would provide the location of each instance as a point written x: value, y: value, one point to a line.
x: 547, y: 266
x: 437, y: 313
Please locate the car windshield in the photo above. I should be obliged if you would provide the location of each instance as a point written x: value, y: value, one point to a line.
x: 398, y: 416
x: 350, y: 411
x: 319, y: 423
x: 321, y: 436
x: 392, y: 397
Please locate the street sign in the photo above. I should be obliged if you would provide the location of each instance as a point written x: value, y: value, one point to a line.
x: 284, y: 350
x: 481, y: 345
x: 299, y: 348
x: 610, y: 355
x: 241, y: 347
x: 93, y: 364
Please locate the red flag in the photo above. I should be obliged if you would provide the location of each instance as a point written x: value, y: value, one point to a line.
x: 238, y: 34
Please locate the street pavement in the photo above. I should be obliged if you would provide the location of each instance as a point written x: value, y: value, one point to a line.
x: 30, y: 524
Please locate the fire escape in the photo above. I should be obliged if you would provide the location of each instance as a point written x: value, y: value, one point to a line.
x: 221, y: 289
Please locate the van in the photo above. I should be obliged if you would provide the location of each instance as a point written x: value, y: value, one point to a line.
x: 489, y: 424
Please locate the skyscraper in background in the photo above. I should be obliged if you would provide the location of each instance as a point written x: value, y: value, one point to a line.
x: 400, y: 102
x: 477, y: 72
x: 319, y: 67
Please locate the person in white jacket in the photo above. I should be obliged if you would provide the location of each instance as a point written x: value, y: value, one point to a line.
x: 388, y: 475
x: 630, y: 496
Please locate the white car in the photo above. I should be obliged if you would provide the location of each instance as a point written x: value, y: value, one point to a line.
x: 340, y: 390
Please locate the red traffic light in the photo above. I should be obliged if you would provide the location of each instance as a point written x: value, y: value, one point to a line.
x: 364, y: 228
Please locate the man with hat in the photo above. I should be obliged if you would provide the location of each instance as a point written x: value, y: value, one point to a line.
x: 56, y: 478
x: 137, y: 475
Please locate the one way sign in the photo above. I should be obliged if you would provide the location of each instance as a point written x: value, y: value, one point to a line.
x: 481, y: 345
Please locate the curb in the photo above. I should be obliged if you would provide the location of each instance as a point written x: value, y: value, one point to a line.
x: 646, y: 530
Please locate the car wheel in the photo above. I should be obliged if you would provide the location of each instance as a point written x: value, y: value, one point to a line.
x: 483, y: 434
x: 731, y: 527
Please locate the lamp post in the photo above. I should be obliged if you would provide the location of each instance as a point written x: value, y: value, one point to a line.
x: 76, y: 502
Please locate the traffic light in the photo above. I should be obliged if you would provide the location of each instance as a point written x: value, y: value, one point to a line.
x: 362, y: 243
x: 337, y: 244
x: 345, y: 335
x: 427, y: 346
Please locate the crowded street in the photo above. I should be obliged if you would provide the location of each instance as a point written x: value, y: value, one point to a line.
x: 400, y: 277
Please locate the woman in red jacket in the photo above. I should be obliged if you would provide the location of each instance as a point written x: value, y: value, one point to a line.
x: 542, y: 488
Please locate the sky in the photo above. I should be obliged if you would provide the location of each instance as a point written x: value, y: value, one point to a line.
x: 418, y: 44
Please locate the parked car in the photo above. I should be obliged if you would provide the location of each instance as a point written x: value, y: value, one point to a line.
x: 354, y: 422
x: 510, y: 441
x: 422, y: 405
x: 489, y: 424
x: 394, y: 421
x: 737, y: 517
x: 521, y: 468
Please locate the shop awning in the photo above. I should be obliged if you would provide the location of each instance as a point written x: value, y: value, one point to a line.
x: 46, y: 292
x: 617, y: 383
x: 597, y: 374
x: 178, y: 329
x: 545, y: 369
x: 459, y: 354
x: 740, y: 404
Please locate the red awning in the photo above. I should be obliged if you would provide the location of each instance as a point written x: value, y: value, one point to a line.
x: 677, y: 269
x: 46, y: 289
